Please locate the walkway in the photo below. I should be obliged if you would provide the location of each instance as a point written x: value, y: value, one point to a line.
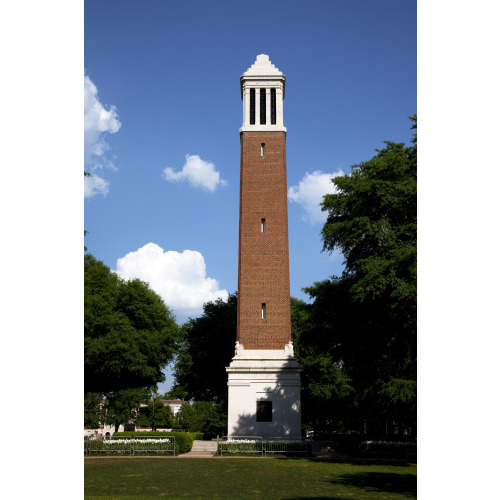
x: 201, y: 449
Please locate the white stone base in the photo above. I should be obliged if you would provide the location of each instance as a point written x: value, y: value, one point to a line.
x: 264, y: 375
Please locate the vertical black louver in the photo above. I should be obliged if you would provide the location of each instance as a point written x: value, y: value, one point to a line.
x: 252, y: 106
x: 273, y: 106
x: 262, y: 106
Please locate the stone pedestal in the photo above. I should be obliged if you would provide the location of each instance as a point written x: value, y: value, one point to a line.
x: 256, y: 376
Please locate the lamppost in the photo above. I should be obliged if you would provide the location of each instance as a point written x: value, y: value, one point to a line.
x: 154, y: 404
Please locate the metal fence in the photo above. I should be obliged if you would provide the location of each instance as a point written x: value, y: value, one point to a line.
x: 287, y: 446
x: 240, y: 444
x: 137, y: 445
x: 396, y: 449
x: 262, y: 446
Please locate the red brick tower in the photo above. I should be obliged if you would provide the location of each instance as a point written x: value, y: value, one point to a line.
x: 264, y: 378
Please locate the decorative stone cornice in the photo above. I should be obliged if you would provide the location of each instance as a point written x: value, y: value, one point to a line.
x: 270, y: 354
x: 262, y: 128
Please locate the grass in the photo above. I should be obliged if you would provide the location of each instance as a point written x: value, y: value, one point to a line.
x: 243, y: 478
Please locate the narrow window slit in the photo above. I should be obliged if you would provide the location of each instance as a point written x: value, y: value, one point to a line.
x: 263, y: 311
x: 262, y: 149
x: 262, y: 225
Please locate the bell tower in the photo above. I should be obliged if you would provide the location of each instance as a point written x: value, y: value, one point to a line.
x: 263, y: 377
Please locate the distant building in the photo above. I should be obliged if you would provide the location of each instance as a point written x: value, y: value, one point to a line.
x: 107, y: 431
x: 175, y: 404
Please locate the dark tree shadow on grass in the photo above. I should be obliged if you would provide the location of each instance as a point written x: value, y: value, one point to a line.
x: 382, y: 482
x: 360, y: 461
x: 317, y: 498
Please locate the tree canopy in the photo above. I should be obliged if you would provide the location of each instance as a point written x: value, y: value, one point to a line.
x: 372, y: 220
x: 206, y: 348
x: 129, y: 333
x: 93, y: 415
x: 120, y: 406
x: 203, y: 416
x: 365, y: 320
x: 325, y: 386
x: 163, y: 416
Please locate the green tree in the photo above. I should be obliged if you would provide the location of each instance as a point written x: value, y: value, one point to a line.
x: 163, y: 416
x: 120, y: 407
x: 92, y: 410
x: 203, y: 416
x: 176, y: 392
x: 325, y: 386
x: 366, y: 319
x: 372, y: 220
x: 129, y: 333
x: 206, y: 348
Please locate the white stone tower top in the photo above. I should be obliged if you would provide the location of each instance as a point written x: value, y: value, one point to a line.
x: 262, y: 66
x: 262, y: 77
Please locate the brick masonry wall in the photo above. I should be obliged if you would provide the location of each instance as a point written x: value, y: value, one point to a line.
x: 263, y: 269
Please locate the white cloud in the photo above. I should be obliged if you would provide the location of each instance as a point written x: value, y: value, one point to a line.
x: 95, y: 184
x: 309, y: 193
x: 98, y: 121
x: 179, y: 278
x: 197, y: 172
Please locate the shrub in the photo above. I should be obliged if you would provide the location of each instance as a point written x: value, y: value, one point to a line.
x: 389, y: 448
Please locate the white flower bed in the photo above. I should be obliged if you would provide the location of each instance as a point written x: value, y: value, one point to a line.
x: 139, y: 440
x: 131, y: 445
x: 263, y: 446
x: 253, y: 441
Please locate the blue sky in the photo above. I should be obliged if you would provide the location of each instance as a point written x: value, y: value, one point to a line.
x: 162, y: 92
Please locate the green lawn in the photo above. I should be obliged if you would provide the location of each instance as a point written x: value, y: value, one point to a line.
x: 242, y: 478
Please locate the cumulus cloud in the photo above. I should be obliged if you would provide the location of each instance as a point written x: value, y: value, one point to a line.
x: 309, y: 193
x: 95, y: 184
x: 179, y: 278
x: 197, y: 172
x: 98, y: 121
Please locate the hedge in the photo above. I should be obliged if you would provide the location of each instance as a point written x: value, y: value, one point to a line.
x: 350, y: 444
x: 183, y: 439
x: 381, y: 448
